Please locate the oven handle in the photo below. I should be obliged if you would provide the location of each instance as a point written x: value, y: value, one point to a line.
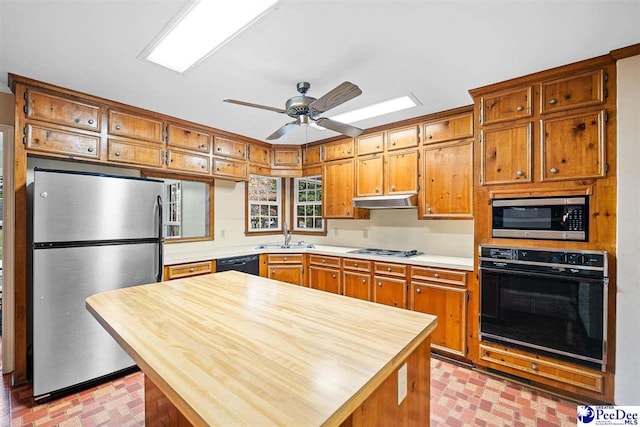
x: 601, y: 280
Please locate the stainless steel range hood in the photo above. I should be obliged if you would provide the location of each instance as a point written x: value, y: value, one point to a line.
x: 396, y: 201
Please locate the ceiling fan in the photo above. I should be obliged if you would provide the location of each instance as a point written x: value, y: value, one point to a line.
x: 305, y: 108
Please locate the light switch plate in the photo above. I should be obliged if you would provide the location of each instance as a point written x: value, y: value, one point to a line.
x: 402, y: 383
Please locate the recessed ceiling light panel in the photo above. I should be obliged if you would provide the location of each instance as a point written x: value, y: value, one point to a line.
x: 378, y: 109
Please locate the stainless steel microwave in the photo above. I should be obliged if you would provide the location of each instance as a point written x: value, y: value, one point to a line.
x: 546, y: 218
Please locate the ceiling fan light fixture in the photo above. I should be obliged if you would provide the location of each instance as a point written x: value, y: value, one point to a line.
x: 378, y: 109
x: 201, y: 29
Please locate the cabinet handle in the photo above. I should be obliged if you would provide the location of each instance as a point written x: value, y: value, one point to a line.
x: 437, y: 276
x: 117, y: 154
x: 418, y: 291
x: 534, y: 366
x: 380, y: 284
x: 118, y: 127
x: 519, y: 108
x: 553, y: 101
x: 90, y: 121
x: 90, y: 149
x: 519, y: 173
x: 553, y: 170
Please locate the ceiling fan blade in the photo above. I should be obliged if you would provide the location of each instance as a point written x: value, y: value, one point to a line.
x: 338, y: 95
x: 249, y: 104
x: 284, y: 129
x: 342, y: 128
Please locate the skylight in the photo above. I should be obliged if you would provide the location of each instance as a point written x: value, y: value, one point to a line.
x: 203, y: 28
x: 379, y: 109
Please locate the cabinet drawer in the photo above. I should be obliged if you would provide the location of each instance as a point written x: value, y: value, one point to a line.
x: 356, y: 264
x: 438, y: 275
x: 229, y: 168
x: 370, y: 144
x: 134, y: 126
x: 60, y: 142
x: 311, y: 155
x: 284, y: 259
x: 402, y: 138
x: 389, y: 269
x: 188, y: 162
x: 457, y: 127
x: 547, y: 369
x: 55, y: 109
x: 189, y: 139
x: 143, y: 155
x: 259, y: 155
x: 572, y: 92
x: 507, y: 105
x: 229, y: 148
x: 342, y: 149
x: 325, y: 261
x: 186, y: 270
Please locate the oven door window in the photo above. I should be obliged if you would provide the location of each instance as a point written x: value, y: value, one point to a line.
x: 553, y: 314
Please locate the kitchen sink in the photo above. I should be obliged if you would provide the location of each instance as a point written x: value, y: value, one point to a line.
x: 298, y: 245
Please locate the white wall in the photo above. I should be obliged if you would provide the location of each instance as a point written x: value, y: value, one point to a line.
x: 627, y: 382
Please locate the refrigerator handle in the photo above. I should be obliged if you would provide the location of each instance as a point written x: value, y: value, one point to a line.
x: 160, y: 243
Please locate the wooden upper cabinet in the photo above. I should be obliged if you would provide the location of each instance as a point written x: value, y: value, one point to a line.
x: 134, y: 154
x: 189, y: 139
x: 573, y: 147
x: 402, y: 172
x: 506, y: 105
x: 227, y: 168
x: 135, y: 126
x: 575, y: 91
x: 369, y: 176
x: 311, y: 155
x: 447, y: 171
x: 187, y: 162
x: 451, y: 128
x: 229, y: 148
x: 337, y: 150
x: 338, y: 176
x: 63, y: 111
x: 370, y: 144
x: 402, y: 138
x: 506, y: 155
x: 287, y: 156
x: 59, y: 142
x: 259, y: 154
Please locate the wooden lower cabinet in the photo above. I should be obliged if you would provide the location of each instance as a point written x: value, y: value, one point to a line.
x: 390, y: 291
x: 285, y: 268
x: 178, y: 271
x: 357, y: 285
x: 324, y: 273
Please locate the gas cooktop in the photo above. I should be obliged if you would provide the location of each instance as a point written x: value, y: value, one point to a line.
x: 386, y: 252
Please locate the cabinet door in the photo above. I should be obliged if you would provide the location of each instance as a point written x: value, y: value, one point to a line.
x: 391, y: 292
x: 188, y: 162
x: 572, y: 92
x: 286, y: 157
x: 342, y: 149
x: 402, y: 172
x: 369, y: 176
x: 59, y: 142
x: 338, y: 178
x: 370, y: 144
x: 447, y: 171
x: 506, y: 155
x: 456, y: 127
x: 311, y: 155
x: 229, y: 148
x: 136, y: 154
x: 450, y: 305
x: 225, y: 168
x: 573, y: 147
x: 134, y: 126
x: 357, y: 285
x: 506, y: 105
x: 325, y: 279
x: 286, y: 273
x: 259, y: 155
x: 55, y: 109
x: 189, y: 139
x: 402, y: 138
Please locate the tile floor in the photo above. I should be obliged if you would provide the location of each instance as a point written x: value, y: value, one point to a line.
x: 459, y: 397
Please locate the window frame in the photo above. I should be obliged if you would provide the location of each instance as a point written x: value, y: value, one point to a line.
x: 294, y: 208
x: 281, y: 193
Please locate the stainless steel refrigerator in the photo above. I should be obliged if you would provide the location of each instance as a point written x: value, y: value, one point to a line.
x: 90, y: 233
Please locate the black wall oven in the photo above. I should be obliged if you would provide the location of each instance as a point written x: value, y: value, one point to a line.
x: 546, y: 301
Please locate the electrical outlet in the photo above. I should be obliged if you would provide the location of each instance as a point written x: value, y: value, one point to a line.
x: 365, y: 234
x: 223, y: 233
x: 402, y: 383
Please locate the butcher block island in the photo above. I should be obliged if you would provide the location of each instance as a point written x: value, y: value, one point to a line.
x: 234, y: 349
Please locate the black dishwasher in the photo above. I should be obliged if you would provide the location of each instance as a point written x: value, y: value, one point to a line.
x: 246, y: 264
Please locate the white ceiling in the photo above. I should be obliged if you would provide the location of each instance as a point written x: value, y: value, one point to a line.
x: 437, y: 50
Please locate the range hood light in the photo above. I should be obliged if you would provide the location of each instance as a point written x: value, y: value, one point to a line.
x: 396, y: 201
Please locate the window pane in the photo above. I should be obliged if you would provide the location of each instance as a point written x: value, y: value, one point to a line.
x: 300, y: 210
x: 318, y: 224
x: 309, y: 223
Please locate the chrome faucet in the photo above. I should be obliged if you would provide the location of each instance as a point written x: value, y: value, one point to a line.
x: 287, y: 234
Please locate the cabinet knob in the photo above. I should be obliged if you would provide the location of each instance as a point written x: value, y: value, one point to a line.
x: 519, y: 108
x: 90, y: 121
x: 393, y: 188
x: 553, y: 101
x: 378, y: 146
x: 418, y: 291
x: 118, y: 127
x: 377, y: 190
x: 202, y: 146
x: 191, y: 269
x: 388, y: 268
x: 553, y: 170
x: 324, y: 260
x: 364, y: 280
x: 285, y: 259
x: 519, y: 173
x: 393, y: 143
x: 273, y: 272
x: 380, y: 284
x: 90, y: 149
x: 429, y: 210
x: 219, y: 148
x: 437, y: 276
x: 117, y: 154
x: 534, y: 366
x: 348, y: 212
x: 333, y: 276
x: 203, y: 166
x: 218, y: 169
x: 355, y: 264
x: 429, y: 136
x: 349, y: 151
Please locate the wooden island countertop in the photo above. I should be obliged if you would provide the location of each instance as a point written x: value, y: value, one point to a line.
x: 233, y: 349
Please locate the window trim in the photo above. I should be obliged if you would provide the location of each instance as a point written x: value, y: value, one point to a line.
x: 247, y: 210
x: 292, y: 211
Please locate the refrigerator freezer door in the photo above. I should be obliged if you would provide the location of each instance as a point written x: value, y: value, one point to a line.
x: 72, y: 207
x: 69, y: 345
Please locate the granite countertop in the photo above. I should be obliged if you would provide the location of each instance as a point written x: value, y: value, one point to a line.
x: 426, y: 260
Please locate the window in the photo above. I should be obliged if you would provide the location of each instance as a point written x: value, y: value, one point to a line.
x: 264, y: 202
x: 307, y: 205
